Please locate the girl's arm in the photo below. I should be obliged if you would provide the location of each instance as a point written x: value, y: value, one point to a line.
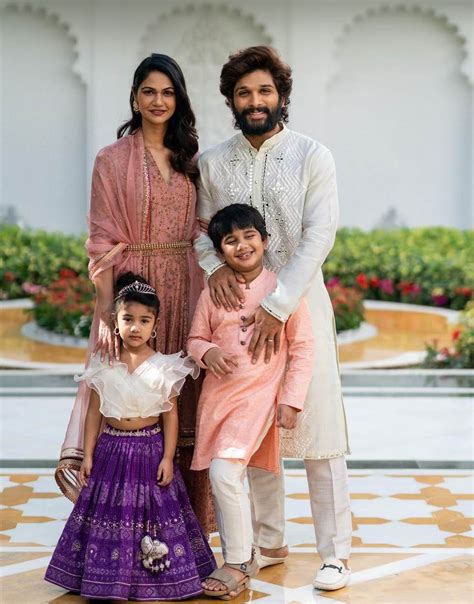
x: 170, y: 437
x: 91, y: 432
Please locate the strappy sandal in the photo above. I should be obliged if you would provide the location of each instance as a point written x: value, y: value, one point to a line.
x: 250, y: 569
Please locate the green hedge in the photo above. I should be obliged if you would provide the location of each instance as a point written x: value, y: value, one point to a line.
x: 36, y: 258
x: 433, y: 266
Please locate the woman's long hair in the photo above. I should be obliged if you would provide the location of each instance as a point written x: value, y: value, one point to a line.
x: 181, y: 136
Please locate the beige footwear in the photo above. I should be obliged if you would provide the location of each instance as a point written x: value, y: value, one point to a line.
x: 250, y: 569
x: 264, y: 561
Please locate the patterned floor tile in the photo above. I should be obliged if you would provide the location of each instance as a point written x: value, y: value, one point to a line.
x: 401, y: 534
x: 392, y: 509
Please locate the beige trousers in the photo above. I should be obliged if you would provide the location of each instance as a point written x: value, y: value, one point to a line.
x: 330, y: 506
x: 232, y: 506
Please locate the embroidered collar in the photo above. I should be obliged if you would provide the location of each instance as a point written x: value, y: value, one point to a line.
x: 271, y: 142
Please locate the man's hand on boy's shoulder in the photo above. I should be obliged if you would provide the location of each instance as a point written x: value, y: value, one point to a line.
x: 224, y: 289
x: 286, y: 417
x: 219, y: 362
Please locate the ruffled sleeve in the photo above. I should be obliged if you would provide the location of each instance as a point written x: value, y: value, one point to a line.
x: 93, y: 375
x: 111, y: 384
x: 163, y: 379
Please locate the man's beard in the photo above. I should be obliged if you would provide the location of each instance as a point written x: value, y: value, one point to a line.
x: 272, y: 119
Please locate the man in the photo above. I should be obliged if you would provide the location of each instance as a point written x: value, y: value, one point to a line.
x: 291, y: 180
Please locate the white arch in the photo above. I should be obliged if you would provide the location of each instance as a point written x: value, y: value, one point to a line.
x: 369, y: 12
x: 58, y: 19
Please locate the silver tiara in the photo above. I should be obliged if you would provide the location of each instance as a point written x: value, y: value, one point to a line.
x: 137, y: 287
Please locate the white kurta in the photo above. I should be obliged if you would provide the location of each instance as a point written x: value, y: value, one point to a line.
x: 291, y: 180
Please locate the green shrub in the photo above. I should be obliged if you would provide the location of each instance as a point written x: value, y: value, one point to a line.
x: 432, y: 266
x: 35, y: 258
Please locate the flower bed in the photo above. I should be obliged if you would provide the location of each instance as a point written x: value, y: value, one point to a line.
x: 460, y: 355
x: 347, y: 305
x: 432, y: 266
x: 29, y: 259
x: 66, y: 306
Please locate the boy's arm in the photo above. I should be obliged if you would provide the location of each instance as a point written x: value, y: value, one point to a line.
x: 298, y: 375
x: 200, y: 335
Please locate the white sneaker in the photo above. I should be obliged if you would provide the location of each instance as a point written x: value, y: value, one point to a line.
x: 332, y: 575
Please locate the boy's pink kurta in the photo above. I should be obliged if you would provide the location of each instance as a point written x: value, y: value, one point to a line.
x: 234, y: 412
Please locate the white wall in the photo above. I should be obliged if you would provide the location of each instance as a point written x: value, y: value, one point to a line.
x: 399, y: 122
x: 43, y: 123
x: 389, y: 90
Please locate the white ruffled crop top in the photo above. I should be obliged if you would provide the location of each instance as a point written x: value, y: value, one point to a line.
x: 145, y: 392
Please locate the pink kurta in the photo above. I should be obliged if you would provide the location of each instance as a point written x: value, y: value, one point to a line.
x: 235, y: 411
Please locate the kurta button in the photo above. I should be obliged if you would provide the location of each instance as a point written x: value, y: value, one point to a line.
x: 243, y: 328
x: 242, y: 342
x: 241, y: 305
x: 242, y: 318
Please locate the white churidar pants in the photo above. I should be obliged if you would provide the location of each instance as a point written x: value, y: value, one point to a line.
x: 330, y: 506
x: 232, y: 507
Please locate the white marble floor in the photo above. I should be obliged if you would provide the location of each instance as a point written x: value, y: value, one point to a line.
x: 385, y: 427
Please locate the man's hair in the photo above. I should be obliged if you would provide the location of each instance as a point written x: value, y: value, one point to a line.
x: 235, y: 216
x: 250, y: 59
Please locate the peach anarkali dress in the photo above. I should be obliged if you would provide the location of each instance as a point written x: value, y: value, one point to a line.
x: 140, y: 223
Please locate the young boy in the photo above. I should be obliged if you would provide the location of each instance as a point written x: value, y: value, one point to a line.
x: 242, y: 404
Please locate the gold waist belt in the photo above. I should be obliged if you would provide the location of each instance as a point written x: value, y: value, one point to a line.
x: 176, y: 247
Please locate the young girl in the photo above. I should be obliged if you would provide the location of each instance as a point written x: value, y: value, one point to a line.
x: 132, y: 533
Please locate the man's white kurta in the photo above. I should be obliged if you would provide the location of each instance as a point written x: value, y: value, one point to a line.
x: 291, y: 180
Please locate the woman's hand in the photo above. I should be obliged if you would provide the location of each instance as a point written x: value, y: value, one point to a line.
x: 224, y: 289
x: 107, y: 342
x: 165, y: 472
x: 85, y: 471
x: 219, y: 363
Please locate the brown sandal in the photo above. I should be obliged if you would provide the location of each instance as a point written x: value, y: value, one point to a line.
x: 250, y: 569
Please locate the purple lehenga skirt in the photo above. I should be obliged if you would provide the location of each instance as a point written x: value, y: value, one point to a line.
x: 99, y: 552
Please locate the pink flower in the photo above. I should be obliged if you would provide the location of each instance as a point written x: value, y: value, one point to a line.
x: 31, y: 288
x: 333, y: 282
x: 386, y: 285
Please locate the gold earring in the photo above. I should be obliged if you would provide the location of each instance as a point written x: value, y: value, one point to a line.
x: 136, y: 108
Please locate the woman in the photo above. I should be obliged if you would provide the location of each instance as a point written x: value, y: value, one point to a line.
x: 142, y: 220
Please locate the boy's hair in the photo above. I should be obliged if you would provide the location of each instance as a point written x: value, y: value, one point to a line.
x: 131, y: 287
x: 235, y: 216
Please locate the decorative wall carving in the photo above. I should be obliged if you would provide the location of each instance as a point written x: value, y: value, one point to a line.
x: 437, y: 12
x: 43, y: 122
x: 200, y: 39
x: 59, y: 20
x: 398, y: 119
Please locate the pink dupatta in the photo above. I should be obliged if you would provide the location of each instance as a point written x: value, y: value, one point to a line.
x: 119, y: 195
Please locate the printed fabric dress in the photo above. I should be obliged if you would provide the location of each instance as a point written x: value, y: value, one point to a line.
x: 140, y: 223
x: 129, y: 538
